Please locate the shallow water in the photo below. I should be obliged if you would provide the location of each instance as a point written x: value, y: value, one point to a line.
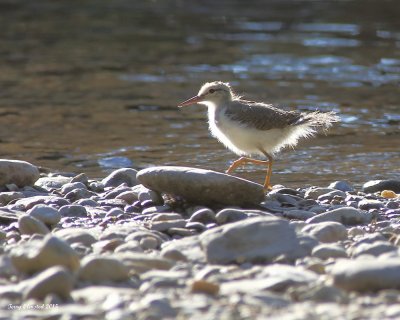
x: 94, y: 86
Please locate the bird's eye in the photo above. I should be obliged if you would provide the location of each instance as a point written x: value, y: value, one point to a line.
x: 211, y: 90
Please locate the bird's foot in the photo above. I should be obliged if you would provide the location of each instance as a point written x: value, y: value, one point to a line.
x: 267, y: 188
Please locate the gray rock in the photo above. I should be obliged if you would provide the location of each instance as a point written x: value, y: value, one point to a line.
x: 18, y: 172
x: 204, y: 215
x: 128, y: 196
x: 82, y: 177
x: 73, y: 210
x: 366, y: 275
x: 68, y: 187
x: 30, y: 225
x: 6, y: 197
x: 368, y: 204
x: 48, y: 215
x: 331, y: 195
x: 277, y: 277
x: 98, y: 269
x: 230, y: 215
x: 120, y: 176
x: 55, y: 280
x: 328, y: 231
x: 28, y: 203
x: 141, y: 262
x: 76, y: 235
x: 251, y: 240
x: 39, y: 255
x: 326, y: 251
x: 342, y: 186
x: 77, y: 194
x: 150, y: 195
x: 314, y: 193
x: 167, y: 224
x: 298, y: 214
x: 376, y: 248
x: 380, y: 185
x: 202, y: 186
x: 344, y: 215
x: 52, y: 183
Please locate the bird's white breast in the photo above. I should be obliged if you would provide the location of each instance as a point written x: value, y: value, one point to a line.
x: 242, y: 139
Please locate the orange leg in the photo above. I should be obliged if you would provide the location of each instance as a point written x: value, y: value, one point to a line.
x: 268, y: 163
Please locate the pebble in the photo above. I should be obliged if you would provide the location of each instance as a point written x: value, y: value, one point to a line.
x: 366, y: 275
x: 204, y: 216
x: 20, y: 173
x: 344, y: 215
x: 30, y: 225
x: 55, y: 280
x: 328, y: 231
x: 230, y: 215
x: 97, y: 269
x: 202, y: 186
x: 325, y: 251
x: 203, y: 286
x: 128, y: 252
x: 342, y: 186
x: 48, y: 215
x: 76, y: 235
x: 39, y: 255
x: 120, y: 176
x: 73, y: 210
x: 256, y: 239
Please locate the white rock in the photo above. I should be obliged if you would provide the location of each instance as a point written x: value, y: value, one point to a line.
x: 326, y: 251
x: 120, y: 176
x: 17, y: 172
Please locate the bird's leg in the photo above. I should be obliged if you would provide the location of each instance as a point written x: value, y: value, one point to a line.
x: 242, y: 160
x: 267, y: 184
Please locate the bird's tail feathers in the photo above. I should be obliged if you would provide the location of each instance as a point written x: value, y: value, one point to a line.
x: 317, y: 119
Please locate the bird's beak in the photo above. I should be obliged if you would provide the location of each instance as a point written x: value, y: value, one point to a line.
x: 191, y: 101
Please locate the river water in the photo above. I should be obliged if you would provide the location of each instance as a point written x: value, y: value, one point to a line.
x: 91, y: 86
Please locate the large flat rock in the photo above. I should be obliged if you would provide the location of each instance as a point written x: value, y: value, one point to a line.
x: 202, y: 186
x: 252, y: 240
x: 18, y: 172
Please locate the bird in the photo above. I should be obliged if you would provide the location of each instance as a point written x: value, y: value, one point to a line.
x: 253, y: 129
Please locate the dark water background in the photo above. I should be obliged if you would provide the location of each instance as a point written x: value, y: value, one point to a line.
x: 86, y: 86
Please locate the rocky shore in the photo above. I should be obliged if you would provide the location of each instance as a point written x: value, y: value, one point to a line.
x: 186, y: 243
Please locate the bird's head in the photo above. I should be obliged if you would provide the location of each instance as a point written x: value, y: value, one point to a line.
x: 216, y: 93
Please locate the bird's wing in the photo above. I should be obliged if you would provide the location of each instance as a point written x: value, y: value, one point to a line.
x: 261, y: 116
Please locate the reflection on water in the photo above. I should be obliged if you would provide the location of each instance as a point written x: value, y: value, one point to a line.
x: 94, y: 86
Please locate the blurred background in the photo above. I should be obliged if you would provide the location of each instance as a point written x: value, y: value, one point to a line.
x: 88, y: 86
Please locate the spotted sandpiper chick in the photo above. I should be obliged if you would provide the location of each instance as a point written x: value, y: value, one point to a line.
x: 254, y: 128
